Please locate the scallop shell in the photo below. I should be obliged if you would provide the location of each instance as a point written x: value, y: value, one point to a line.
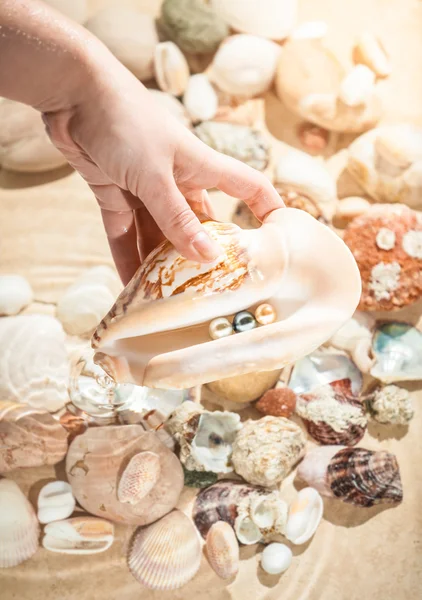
x: 30, y: 437
x: 200, y: 98
x: 34, y: 368
x: 55, y: 502
x: 86, y: 301
x: 205, y: 438
x: 15, y: 294
x: 332, y: 414
x: 19, y: 529
x: 96, y: 461
x: 167, y: 554
x: 173, y: 295
x: 80, y: 535
x: 397, y: 348
x: 222, y: 550
x: 244, y: 65
x: 354, y: 475
x: 305, y: 514
x: 171, y: 68
x: 139, y: 477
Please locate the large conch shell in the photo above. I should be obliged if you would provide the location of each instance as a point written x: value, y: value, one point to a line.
x: 157, y: 335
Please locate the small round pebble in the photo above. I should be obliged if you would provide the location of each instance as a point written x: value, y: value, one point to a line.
x: 276, y: 558
x: 220, y: 328
x: 278, y: 402
x: 265, y: 314
x: 244, y: 321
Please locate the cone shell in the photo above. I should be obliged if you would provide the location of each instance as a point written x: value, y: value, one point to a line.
x: 139, y: 477
x: 98, y: 458
x: 30, y: 437
x: 166, y: 554
x: 222, y: 550
x: 80, y: 535
x: 19, y: 529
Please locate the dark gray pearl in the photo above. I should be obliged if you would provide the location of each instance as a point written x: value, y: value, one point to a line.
x: 244, y: 321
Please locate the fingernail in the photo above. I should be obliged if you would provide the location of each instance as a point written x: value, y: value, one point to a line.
x: 206, y: 247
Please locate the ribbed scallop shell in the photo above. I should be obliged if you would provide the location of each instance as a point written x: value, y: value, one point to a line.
x: 19, y: 529
x: 30, y: 437
x: 364, y: 477
x: 139, y: 477
x: 166, y: 554
x: 222, y: 550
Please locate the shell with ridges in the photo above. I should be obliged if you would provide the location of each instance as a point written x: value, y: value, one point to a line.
x: 166, y: 554
x: 55, y: 502
x: 222, y: 550
x: 305, y: 514
x: 80, y: 535
x: 19, y: 529
x: 139, y: 477
x: 15, y: 294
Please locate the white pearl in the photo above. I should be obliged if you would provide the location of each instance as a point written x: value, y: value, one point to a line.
x: 220, y: 327
x: 276, y: 558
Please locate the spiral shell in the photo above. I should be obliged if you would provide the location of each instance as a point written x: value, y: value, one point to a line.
x: 166, y: 554
x: 222, y: 550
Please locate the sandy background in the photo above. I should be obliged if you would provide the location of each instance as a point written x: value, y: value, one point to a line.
x: 50, y: 231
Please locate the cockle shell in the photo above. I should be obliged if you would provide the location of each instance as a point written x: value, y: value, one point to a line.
x: 244, y: 65
x: 222, y: 550
x: 171, y: 68
x: 239, y: 141
x: 387, y: 245
x: 305, y: 514
x: 55, y: 502
x: 387, y: 163
x: 86, y: 301
x: 96, y: 461
x: 80, y: 535
x: 24, y: 144
x: 139, y: 477
x: 200, y: 98
x: 354, y: 475
x: 173, y: 106
x: 15, y: 294
x: 273, y: 19
x: 29, y: 437
x: 166, y: 554
x: 276, y: 558
x: 130, y: 35
x: 255, y: 513
x: 151, y: 338
x: 19, y: 529
x: 34, y: 367
x: 397, y: 348
x: 391, y: 404
x: 205, y: 438
x: 332, y: 414
x: 265, y: 451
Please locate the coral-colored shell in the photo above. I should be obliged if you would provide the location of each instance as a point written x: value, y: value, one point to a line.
x: 166, y: 554
x: 222, y: 550
x: 139, y: 477
x: 279, y: 402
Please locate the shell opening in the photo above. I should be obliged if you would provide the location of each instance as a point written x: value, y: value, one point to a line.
x: 247, y: 532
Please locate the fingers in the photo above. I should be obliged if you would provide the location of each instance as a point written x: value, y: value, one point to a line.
x: 200, y: 203
x: 121, y: 232
x: 149, y: 234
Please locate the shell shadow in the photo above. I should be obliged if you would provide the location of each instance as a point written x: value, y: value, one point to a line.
x: 383, y: 432
x: 10, y: 180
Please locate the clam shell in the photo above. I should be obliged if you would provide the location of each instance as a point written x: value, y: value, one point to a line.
x: 171, y: 68
x: 305, y: 514
x: 96, y: 460
x: 139, y: 477
x: 200, y: 98
x: 55, y: 502
x: 397, y: 348
x: 30, y: 437
x: 34, y: 367
x: 166, y: 554
x: 222, y: 550
x: 130, y: 343
x: 19, y: 529
x: 80, y: 535
x: 15, y: 294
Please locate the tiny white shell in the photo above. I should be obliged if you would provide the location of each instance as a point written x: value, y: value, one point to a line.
x: 357, y: 86
x: 80, y: 535
x: 15, y: 294
x: 55, y: 502
x: 171, y: 68
x: 200, y: 98
x: 305, y: 514
x: 276, y: 558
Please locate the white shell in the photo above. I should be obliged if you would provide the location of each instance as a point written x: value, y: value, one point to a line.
x: 200, y: 98
x: 55, y: 502
x: 272, y: 19
x: 15, y: 294
x: 276, y: 558
x: 128, y: 341
x: 305, y: 514
x: 171, y: 68
x: 349, y: 208
x: 244, y: 65
x: 260, y: 517
x: 80, y: 535
x: 19, y: 529
x: 86, y: 301
x: 370, y: 52
x: 34, y: 367
x: 311, y: 30
x: 357, y: 86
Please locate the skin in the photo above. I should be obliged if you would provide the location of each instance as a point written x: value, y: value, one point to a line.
x: 148, y: 172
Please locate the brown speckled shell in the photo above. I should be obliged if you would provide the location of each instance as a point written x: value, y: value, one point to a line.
x: 360, y: 236
x: 364, y: 478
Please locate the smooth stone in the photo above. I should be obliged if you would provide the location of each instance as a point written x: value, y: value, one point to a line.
x: 276, y: 558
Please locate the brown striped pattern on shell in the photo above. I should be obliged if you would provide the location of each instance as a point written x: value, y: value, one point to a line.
x: 364, y: 477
